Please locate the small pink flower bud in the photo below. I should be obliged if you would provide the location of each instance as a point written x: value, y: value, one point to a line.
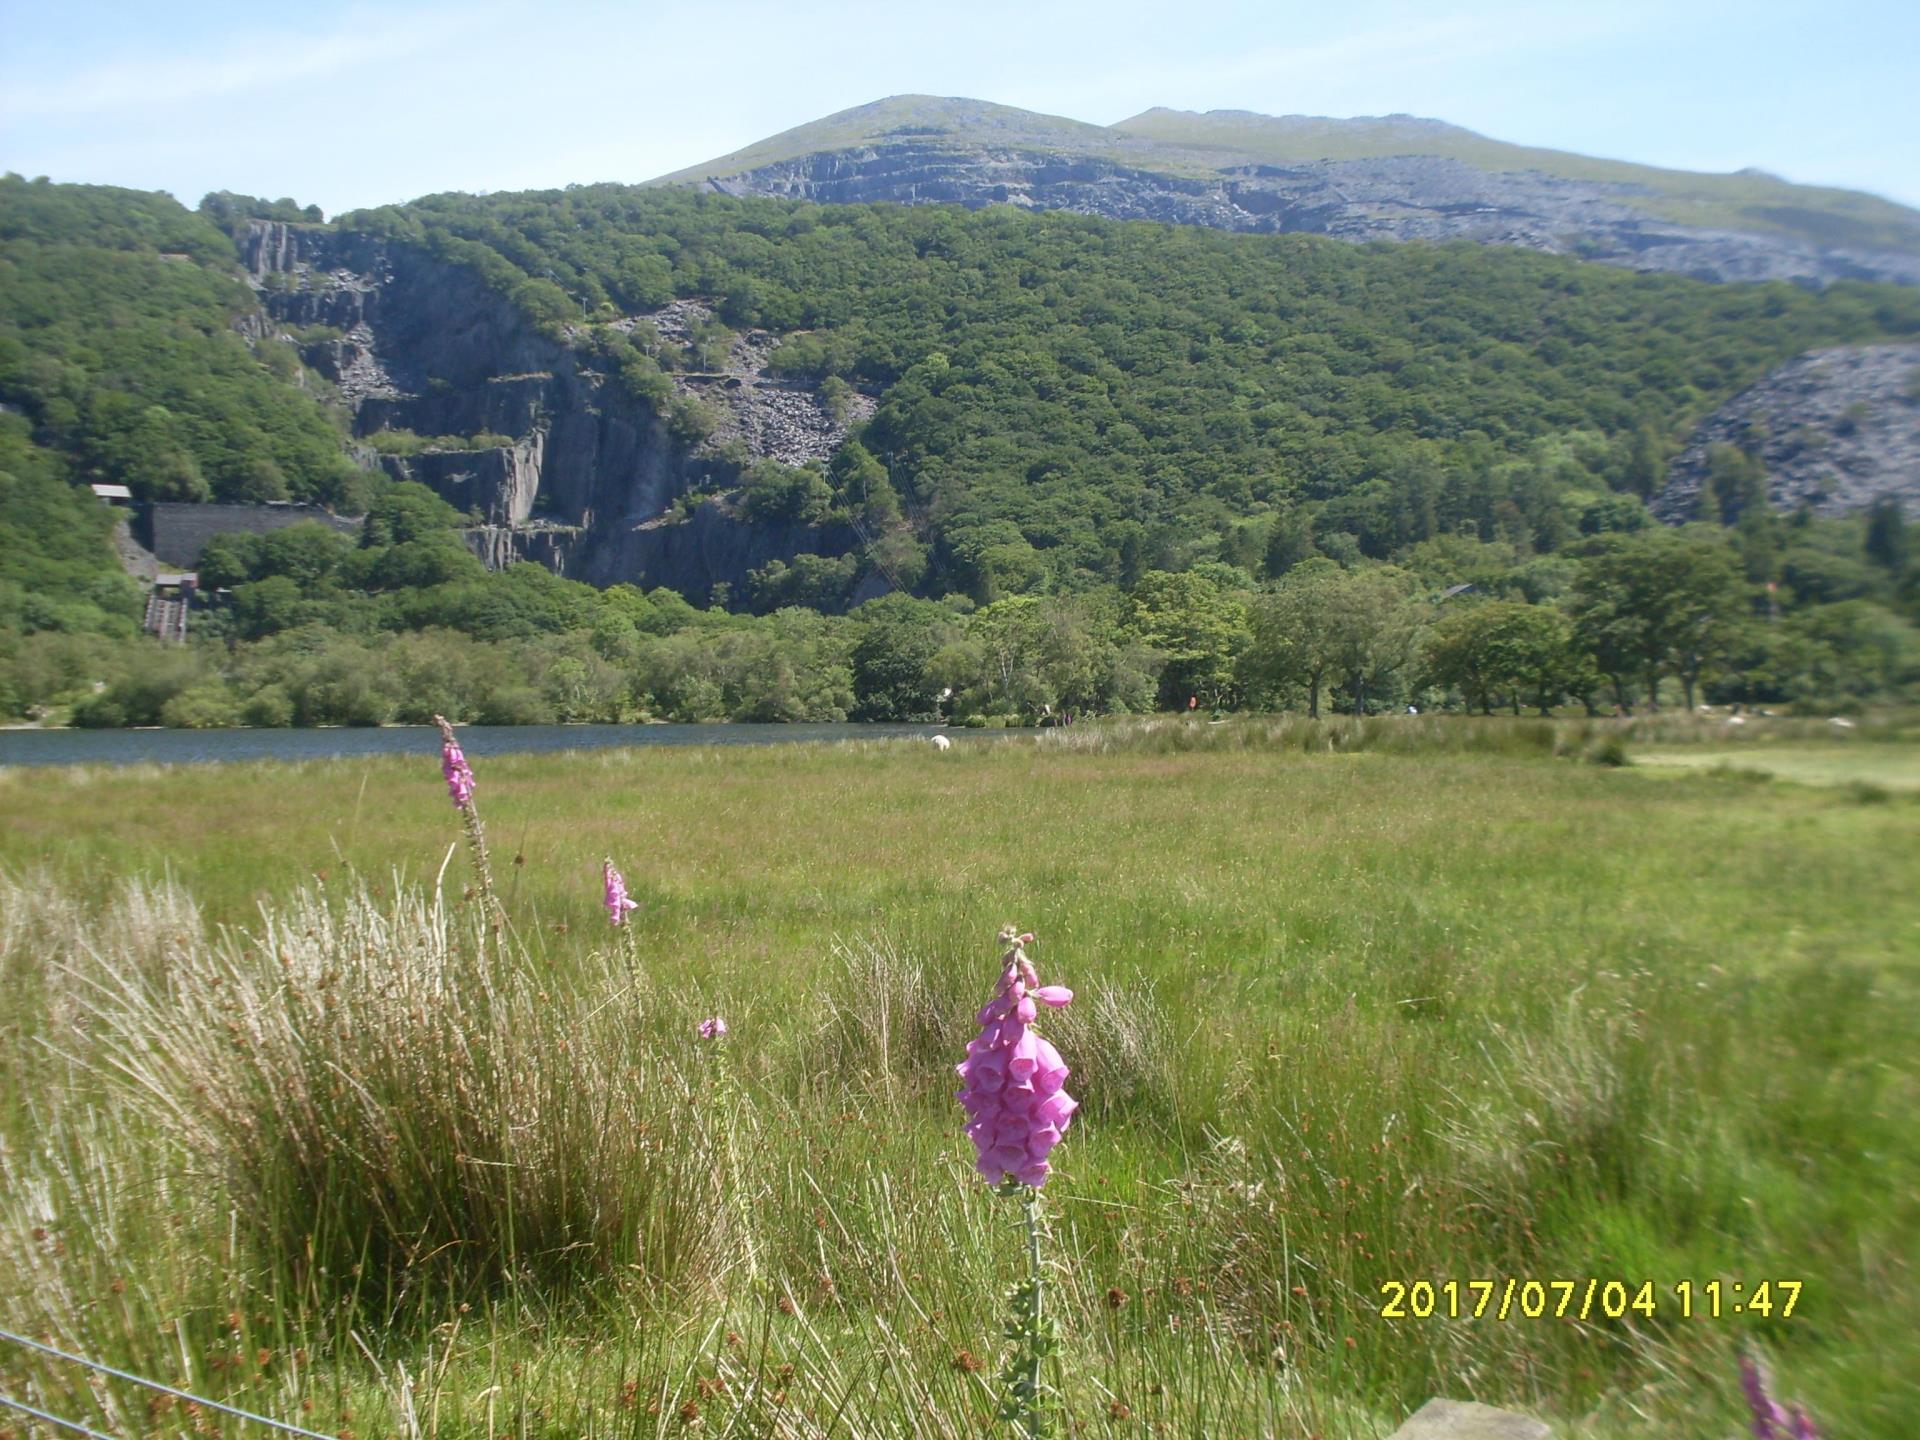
x: 454, y: 768
x: 617, y: 902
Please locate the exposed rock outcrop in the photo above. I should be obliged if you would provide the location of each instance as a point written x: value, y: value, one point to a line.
x: 1833, y: 429
x: 772, y: 418
x: 588, y: 480
x: 713, y: 551
x: 500, y: 484
x: 712, y: 547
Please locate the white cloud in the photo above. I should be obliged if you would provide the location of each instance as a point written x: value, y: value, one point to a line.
x: 264, y: 60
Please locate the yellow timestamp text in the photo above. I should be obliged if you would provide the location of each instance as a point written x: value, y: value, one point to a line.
x: 1587, y: 1299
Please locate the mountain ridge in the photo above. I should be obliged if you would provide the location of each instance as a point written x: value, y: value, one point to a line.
x: 1394, y: 177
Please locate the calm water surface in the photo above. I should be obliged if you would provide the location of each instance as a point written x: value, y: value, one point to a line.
x: 201, y: 747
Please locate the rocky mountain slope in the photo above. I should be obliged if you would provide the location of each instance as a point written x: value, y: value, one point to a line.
x: 1834, y: 429
x: 584, y: 478
x: 1389, y: 178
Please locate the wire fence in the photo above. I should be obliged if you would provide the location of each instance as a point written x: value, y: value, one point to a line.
x: 38, y: 1414
x: 76, y: 1427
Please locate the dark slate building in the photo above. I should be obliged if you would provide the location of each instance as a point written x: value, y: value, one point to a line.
x: 177, y: 532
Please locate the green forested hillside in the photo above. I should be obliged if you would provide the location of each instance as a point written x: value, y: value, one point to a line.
x: 1115, y: 464
x: 117, y: 342
x: 57, y: 570
x: 1063, y: 397
x: 119, y: 362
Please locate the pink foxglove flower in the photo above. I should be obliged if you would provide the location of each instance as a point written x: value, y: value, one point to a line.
x: 1771, y: 1420
x: 712, y: 1028
x: 453, y: 765
x: 1014, y: 1092
x: 617, y: 902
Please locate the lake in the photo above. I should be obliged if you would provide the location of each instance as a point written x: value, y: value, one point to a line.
x: 202, y: 747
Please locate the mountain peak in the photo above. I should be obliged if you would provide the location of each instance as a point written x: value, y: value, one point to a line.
x: 923, y: 117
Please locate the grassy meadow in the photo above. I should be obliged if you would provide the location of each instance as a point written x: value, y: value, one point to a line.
x: 287, y: 1122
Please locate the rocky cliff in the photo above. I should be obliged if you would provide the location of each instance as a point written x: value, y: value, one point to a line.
x: 588, y: 477
x: 1398, y: 178
x: 1833, y: 429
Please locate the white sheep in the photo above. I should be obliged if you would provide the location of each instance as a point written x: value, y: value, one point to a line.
x: 941, y: 742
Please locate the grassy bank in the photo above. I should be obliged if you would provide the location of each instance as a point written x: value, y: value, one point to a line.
x: 1352, y: 1007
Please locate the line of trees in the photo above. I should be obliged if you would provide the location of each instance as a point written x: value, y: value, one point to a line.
x: 404, y: 624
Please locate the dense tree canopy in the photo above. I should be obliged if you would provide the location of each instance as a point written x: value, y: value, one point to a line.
x: 117, y: 341
x: 57, y: 571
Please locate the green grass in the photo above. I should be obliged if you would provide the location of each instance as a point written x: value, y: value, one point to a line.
x: 1894, y: 768
x: 1356, y: 1003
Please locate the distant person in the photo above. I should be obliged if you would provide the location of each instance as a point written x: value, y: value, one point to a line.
x: 1193, y: 702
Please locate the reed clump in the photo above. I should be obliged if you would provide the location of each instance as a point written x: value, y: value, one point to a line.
x: 397, y: 1098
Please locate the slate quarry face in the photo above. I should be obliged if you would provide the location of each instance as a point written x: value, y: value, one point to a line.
x: 1835, y: 430
x: 588, y: 478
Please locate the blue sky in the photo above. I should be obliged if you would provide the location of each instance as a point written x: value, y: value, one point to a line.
x: 361, y: 104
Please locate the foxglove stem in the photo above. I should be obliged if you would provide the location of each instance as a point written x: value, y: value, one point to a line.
x: 1037, y: 1353
x: 1025, y: 1401
x: 1017, y: 1108
x: 728, y: 1111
